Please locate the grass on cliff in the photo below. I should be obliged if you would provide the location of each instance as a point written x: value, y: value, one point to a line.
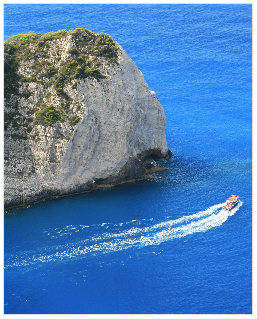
x: 84, y: 60
x: 47, y: 116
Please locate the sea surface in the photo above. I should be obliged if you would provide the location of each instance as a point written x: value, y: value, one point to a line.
x: 162, y: 246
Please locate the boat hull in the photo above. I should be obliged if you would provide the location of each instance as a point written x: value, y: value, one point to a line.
x: 229, y: 208
x: 231, y: 202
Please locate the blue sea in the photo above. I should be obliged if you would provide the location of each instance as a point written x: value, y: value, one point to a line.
x: 161, y: 246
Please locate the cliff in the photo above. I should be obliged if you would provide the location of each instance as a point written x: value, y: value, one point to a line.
x: 78, y: 116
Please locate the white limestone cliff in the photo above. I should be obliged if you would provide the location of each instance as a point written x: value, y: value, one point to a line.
x: 121, y: 128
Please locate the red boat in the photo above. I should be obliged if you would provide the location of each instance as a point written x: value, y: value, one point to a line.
x: 231, y: 202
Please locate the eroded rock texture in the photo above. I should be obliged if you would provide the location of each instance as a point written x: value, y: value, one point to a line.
x: 71, y: 132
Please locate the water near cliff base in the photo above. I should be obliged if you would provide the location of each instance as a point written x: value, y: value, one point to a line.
x: 163, y: 245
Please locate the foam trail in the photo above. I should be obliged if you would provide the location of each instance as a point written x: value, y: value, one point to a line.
x: 136, y: 237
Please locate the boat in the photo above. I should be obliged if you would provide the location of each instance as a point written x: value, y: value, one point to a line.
x: 231, y: 202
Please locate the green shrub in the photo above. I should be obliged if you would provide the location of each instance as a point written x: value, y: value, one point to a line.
x: 74, y: 120
x: 26, y: 94
x: 50, y: 71
x: 63, y: 118
x: 32, y: 78
x: 12, y: 118
x: 47, y: 95
x: 74, y: 85
x: 29, y: 129
x: 47, y: 116
x: 11, y: 76
x: 50, y: 81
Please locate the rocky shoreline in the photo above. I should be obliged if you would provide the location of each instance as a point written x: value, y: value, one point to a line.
x: 142, y: 168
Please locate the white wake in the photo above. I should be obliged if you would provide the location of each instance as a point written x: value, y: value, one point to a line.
x: 137, y: 236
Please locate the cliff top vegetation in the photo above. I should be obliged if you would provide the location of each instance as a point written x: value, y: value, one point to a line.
x: 44, y: 60
x: 80, y: 64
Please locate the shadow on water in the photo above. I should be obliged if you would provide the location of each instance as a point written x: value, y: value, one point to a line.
x: 187, y: 171
x: 191, y: 171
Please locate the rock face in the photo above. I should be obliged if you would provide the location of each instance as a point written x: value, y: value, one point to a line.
x: 107, y: 133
